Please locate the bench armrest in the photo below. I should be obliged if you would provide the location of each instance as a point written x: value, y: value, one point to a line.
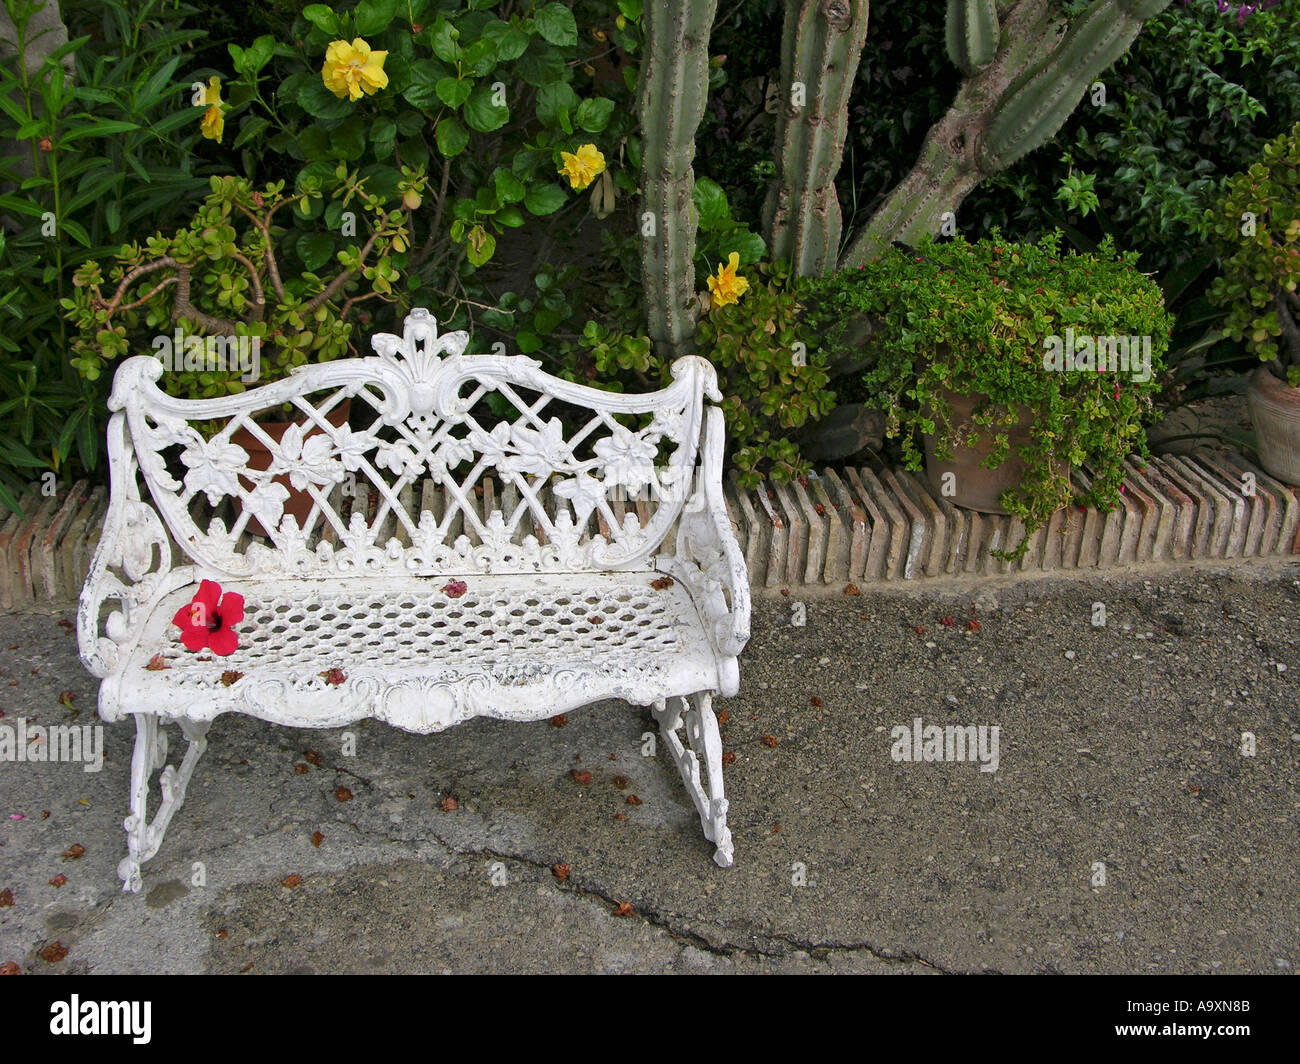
x: 709, y: 559
x: 125, y: 567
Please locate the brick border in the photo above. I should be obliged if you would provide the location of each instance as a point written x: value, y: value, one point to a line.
x: 860, y: 525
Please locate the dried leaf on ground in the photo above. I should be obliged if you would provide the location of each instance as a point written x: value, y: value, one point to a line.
x: 54, y: 952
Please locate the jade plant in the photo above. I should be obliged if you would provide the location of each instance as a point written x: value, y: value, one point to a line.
x: 1256, y: 226
x: 215, y: 288
x: 1078, y: 339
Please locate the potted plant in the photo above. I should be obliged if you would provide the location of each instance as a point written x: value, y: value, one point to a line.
x: 1256, y: 225
x: 213, y: 303
x: 1002, y: 367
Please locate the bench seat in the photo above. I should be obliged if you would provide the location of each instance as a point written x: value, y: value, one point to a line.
x: 512, y: 647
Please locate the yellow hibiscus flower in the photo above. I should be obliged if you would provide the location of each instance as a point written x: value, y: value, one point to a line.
x: 213, y: 125
x: 583, y: 166
x: 352, y: 70
x: 727, y: 286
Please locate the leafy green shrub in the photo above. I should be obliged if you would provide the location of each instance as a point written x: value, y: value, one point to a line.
x: 511, y: 110
x: 771, y: 370
x: 1256, y: 226
x: 219, y: 277
x: 86, y: 160
x: 978, y: 319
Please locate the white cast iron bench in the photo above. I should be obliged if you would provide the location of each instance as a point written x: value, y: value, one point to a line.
x: 564, y: 599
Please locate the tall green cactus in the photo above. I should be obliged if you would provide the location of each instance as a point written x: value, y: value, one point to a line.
x: 821, y: 45
x: 1010, y: 105
x: 1039, y: 101
x: 972, y: 32
x: 671, y: 98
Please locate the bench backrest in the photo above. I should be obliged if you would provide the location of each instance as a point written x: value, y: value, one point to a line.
x: 421, y: 410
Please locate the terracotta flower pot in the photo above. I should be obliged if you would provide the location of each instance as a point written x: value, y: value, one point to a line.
x: 978, y: 488
x: 299, y: 503
x: 1275, y: 413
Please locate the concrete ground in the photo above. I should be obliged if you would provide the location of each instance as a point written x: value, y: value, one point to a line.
x: 1124, y: 829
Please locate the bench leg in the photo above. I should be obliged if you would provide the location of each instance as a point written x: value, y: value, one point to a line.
x: 706, y: 746
x: 144, y: 836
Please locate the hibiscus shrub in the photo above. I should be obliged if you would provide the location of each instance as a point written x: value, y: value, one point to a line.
x: 509, y: 114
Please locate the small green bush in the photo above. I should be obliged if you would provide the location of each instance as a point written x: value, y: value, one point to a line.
x: 219, y: 277
x: 976, y: 319
x: 771, y: 369
x: 1256, y: 226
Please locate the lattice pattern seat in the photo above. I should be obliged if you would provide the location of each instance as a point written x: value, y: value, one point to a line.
x: 553, y: 502
x: 405, y: 652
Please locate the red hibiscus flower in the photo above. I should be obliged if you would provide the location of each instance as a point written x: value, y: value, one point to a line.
x: 208, y: 621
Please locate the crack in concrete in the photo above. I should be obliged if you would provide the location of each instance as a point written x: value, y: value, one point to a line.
x: 657, y: 918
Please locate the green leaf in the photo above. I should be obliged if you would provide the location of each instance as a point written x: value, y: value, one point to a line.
x: 319, y: 102
x: 509, y: 188
x: 453, y: 91
x: 527, y: 342
x: 453, y: 138
x: 480, y: 57
x: 542, y: 200
x: 373, y: 16
x: 545, y: 321
x: 482, y: 114
x: 259, y: 53
x: 315, y: 249
x: 593, y: 115
x: 554, y: 102
x: 711, y: 202
x: 510, y: 41
x: 99, y: 129
x: 251, y: 127
x: 442, y: 39
x: 749, y: 246
x: 21, y: 206
x: 76, y: 231
x: 423, y: 89
x: 322, y: 17
x: 556, y: 24
x: 348, y: 141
